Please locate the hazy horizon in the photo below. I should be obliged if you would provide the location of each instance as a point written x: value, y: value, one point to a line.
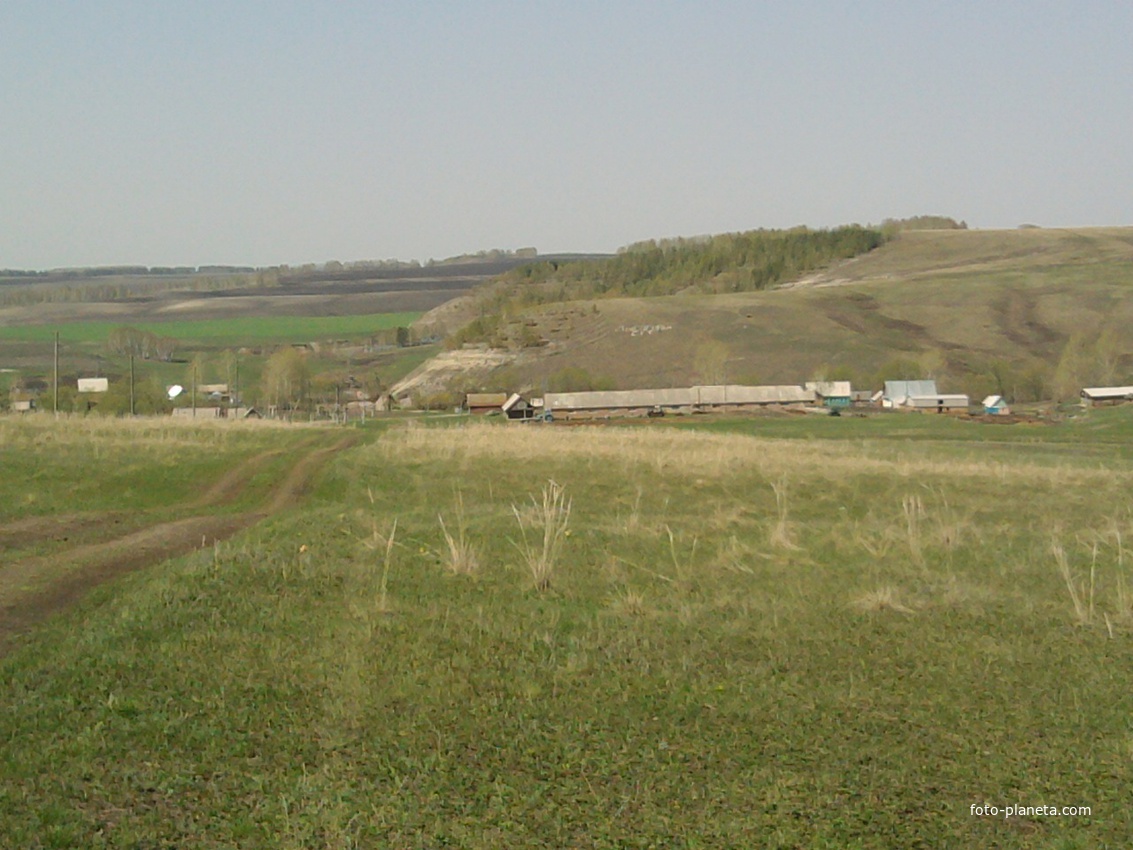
x: 261, y: 134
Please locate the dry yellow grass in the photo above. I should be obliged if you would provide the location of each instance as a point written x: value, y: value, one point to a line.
x: 721, y: 456
x: 886, y: 598
x: 43, y: 432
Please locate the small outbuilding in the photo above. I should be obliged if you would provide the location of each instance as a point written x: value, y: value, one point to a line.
x: 517, y: 407
x: 94, y: 385
x: 485, y: 403
x: 835, y: 394
x: 939, y: 403
x: 996, y: 405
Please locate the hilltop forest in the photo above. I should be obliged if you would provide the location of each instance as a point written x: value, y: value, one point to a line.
x: 725, y: 263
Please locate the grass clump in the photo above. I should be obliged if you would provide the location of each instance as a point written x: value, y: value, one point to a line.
x: 459, y: 555
x: 549, y: 521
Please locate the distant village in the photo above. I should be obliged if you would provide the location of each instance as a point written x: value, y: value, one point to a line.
x: 831, y: 398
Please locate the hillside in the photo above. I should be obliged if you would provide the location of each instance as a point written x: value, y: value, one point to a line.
x: 1032, y: 313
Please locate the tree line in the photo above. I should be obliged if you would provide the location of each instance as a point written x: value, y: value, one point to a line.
x: 730, y: 262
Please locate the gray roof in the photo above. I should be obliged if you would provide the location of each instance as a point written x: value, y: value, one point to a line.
x: 515, y: 400
x: 1107, y: 392
x: 485, y: 399
x: 679, y: 397
x: 830, y: 389
x: 905, y: 389
x: 938, y: 400
x: 611, y: 399
x: 740, y: 394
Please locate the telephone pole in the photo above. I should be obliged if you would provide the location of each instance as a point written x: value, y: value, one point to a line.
x: 57, y: 374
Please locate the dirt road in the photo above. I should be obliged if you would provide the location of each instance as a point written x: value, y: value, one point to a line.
x: 33, y: 589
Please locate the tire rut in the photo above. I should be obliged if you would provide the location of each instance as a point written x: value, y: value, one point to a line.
x: 33, y: 589
x: 93, y: 525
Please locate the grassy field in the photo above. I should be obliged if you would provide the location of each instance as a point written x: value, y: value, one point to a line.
x: 691, y: 638
x: 245, y: 330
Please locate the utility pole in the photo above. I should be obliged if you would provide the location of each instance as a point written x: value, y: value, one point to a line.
x: 131, y: 383
x: 57, y: 374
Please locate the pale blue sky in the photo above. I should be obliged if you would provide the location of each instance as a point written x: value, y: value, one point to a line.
x: 177, y: 132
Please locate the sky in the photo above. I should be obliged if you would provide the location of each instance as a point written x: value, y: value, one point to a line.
x: 191, y: 132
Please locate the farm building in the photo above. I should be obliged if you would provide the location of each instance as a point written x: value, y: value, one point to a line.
x: 996, y: 405
x: 93, y: 385
x: 674, y: 400
x: 215, y: 412
x: 832, y: 393
x: 484, y: 403
x: 517, y: 407
x: 898, y: 393
x: 1106, y: 395
x: 939, y: 403
x: 199, y: 412
x: 738, y: 395
x: 862, y: 398
x: 618, y: 402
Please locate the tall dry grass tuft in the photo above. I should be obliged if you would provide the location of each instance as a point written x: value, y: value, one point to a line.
x: 461, y: 557
x: 1083, y: 603
x: 684, y: 572
x: 384, y: 544
x: 914, y: 511
x: 781, y: 536
x: 1124, y: 602
x: 551, y: 519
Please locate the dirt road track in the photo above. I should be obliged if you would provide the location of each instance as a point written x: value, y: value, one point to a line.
x: 35, y: 588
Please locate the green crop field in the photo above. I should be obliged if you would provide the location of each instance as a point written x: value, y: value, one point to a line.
x: 762, y: 633
x: 247, y: 330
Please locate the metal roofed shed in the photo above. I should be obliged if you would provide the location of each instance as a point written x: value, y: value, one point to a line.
x: 1106, y: 395
x: 676, y: 399
x: 939, y: 403
x: 624, y: 402
x: 897, y: 393
x: 740, y: 394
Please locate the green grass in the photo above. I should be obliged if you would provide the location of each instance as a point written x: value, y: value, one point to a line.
x: 745, y: 641
x: 92, y: 465
x: 238, y: 331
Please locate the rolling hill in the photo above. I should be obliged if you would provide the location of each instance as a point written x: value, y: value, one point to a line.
x: 1033, y: 313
